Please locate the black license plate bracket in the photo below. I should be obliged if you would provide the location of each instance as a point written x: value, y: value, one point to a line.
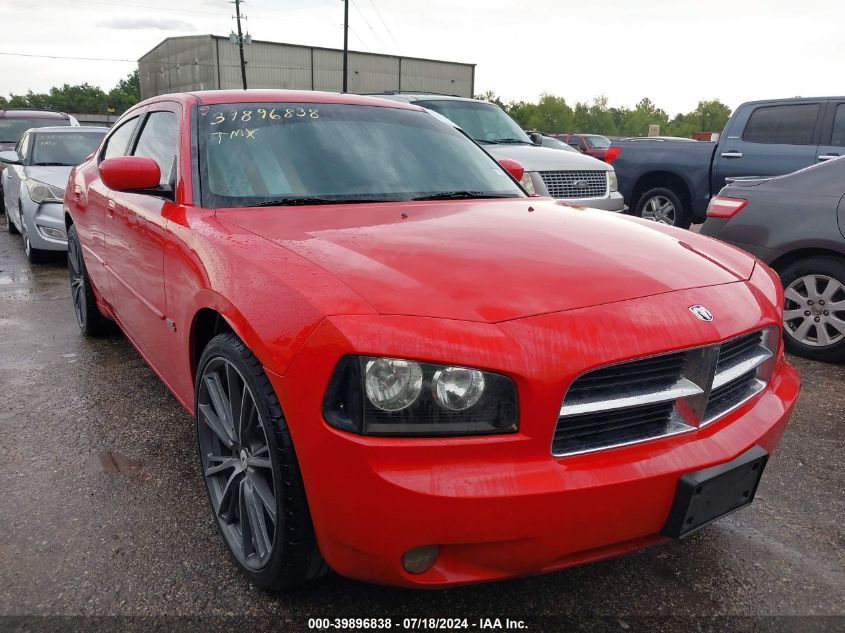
x: 706, y: 495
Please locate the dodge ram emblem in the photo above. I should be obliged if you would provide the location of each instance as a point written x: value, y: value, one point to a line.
x: 701, y: 312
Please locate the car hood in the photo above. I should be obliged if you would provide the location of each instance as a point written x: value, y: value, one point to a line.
x: 493, y: 260
x: 56, y: 176
x: 535, y: 158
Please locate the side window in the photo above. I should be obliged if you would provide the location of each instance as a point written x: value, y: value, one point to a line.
x: 159, y: 140
x: 117, y: 143
x: 838, y: 137
x: 786, y: 124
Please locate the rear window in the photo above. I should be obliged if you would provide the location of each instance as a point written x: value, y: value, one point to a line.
x: 598, y: 142
x: 786, y: 124
x: 12, y: 128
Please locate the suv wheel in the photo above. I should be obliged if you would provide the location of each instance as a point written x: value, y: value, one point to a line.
x: 250, y: 469
x: 814, y: 308
x: 663, y: 206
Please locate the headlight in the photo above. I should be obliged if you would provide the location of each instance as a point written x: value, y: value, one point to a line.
x: 396, y: 397
x: 527, y: 183
x: 42, y: 192
x: 612, y: 184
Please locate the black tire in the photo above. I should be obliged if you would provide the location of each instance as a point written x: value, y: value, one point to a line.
x: 292, y: 557
x: 33, y: 255
x: 88, y: 316
x: 10, y: 226
x: 795, y: 276
x: 646, y: 207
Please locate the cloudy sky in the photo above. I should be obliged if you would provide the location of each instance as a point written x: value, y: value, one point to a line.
x: 674, y: 51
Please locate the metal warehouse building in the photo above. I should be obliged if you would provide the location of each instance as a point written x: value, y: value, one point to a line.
x: 208, y: 62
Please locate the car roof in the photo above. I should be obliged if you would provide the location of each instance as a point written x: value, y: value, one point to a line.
x: 214, y: 97
x: 407, y: 97
x: 787, y: 100
x: 24, y: 113
x: 67, y: 129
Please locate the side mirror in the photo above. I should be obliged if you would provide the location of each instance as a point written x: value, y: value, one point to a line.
x: 536, y: 138
x: 513, y: 168
x: 10, y: 158
x: 130, y: 173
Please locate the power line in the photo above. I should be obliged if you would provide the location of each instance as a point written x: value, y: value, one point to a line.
x: 384, y: 24
x: 89, y: 59
x: 369, y: 26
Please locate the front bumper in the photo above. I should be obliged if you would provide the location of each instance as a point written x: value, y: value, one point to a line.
x: 502, y: 506
x: 45, y: 224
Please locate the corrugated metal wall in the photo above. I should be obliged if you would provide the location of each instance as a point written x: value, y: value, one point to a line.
x: 206, y: 62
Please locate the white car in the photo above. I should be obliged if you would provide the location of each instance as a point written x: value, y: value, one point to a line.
x: 34, y: 183
x: 570, y: 176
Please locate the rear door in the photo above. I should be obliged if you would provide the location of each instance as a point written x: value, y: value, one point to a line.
x: 769, y: 140
x: 833, y: 132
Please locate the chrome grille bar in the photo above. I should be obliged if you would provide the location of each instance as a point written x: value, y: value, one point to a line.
x: 575, y: 184
x: 662, y: 395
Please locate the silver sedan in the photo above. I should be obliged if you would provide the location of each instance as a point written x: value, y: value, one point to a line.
x: 34, y: 183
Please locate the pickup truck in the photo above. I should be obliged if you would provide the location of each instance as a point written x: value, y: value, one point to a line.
x: 671, y: 181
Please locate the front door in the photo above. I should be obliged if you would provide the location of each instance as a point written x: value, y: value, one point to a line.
x: 136, y: 237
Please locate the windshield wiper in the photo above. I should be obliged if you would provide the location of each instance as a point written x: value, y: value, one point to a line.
x: 461, y: 195
x: 512, y: 141
x: 305, y: 200
x: 51, y: 165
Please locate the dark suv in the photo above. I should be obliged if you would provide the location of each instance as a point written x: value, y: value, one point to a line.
x: 14, y: 122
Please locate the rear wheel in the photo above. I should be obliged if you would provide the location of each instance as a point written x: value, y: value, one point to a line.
x: 250, y: 469
x: 814, y: 308
x: 88, y: 315
x: 663, y: 206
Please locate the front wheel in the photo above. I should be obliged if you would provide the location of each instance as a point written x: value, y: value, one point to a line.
x: 663, y: 206
x: 814, y: 308
x: 10, y: 226
x: 250, y: 469
x: 33, y: 255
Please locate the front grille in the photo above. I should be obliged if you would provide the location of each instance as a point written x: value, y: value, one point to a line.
x: 661, y: 395
x: 574, y: 185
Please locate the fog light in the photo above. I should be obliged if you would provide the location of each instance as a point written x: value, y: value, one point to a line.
x: 420, y: 559
x: 49, y: 232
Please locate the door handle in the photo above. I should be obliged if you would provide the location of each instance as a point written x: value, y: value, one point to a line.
x: 110, y: 209
x: 828, y: 156
x: 731, y: 154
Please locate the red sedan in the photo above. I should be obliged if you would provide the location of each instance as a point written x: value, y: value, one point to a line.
x: 403, y: 367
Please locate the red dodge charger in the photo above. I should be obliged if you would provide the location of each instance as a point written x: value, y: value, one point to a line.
x: 402, y: 366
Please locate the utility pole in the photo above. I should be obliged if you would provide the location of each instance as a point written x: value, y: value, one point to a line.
x: 345, y: 44
x: 237, y: 4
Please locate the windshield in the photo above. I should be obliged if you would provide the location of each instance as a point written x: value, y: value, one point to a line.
x: 312, y: 153
x: 64, y: 148
x: 598, y: 142
x: 485, y: 122
x: 12, y: 128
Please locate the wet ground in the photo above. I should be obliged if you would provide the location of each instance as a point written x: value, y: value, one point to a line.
x: 103, y: 511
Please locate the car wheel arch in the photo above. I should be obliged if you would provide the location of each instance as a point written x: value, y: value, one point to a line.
x: 666, y: 180
x: 792, y: 256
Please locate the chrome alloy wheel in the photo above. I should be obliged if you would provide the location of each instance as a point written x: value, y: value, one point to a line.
x: 814, y: 310
x: 236, y: 462
x: 77, y: 280
x: 659, y: 209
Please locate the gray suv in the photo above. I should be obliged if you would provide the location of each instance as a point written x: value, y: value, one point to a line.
x: 568, y: 176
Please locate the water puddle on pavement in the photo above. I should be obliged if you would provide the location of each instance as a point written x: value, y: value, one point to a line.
x: 111, y: 463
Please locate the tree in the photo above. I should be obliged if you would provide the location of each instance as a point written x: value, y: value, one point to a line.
x: 552, y: 114
x: 81, y: 97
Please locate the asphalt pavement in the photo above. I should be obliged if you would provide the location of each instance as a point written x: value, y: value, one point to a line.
x: 103, y: 511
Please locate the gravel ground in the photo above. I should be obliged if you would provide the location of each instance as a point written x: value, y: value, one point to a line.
x: 104, y: 513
